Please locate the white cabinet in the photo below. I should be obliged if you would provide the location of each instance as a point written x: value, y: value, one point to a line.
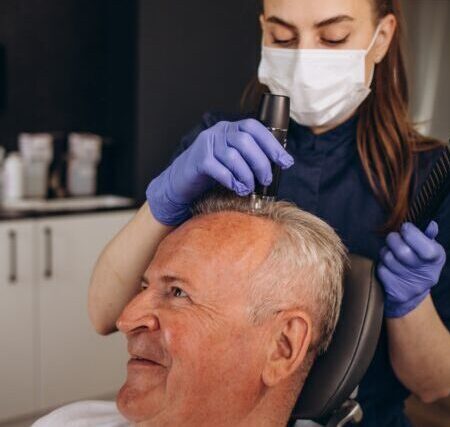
x: 50, y: 353
x: 18, y: 330
x: 76, y: 363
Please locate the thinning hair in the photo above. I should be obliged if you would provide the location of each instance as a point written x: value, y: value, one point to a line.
x: 304, y: 269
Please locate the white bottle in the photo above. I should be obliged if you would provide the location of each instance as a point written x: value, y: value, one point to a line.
x: 13, y: 184
x: 37, y: 154
x: 84, y: 156
x: 2, y: 157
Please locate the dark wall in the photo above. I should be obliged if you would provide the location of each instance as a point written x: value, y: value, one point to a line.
x: 193, y: 57
x: 70, y: 67
x: 56, y: 63
x: 121, y: 92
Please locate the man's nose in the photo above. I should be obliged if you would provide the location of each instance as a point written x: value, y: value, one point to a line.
x: 139, y: 313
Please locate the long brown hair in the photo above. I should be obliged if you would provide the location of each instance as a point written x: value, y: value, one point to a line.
x: 386, y: 138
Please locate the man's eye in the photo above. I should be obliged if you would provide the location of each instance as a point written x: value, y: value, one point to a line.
x: 178, y: 293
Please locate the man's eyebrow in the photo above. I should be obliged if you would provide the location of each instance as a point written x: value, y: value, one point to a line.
x: 334, y: 20
x: 169, y: 279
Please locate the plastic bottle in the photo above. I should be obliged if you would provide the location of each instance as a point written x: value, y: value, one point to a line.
x: 84, y: 156
x: 13, y: 177
x: 2, y: 158
x: 37, y: 154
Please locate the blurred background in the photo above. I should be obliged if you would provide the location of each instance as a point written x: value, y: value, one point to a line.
x: 95, y: 96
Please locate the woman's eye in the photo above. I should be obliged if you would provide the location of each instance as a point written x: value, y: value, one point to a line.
x: 335, y: 42
x: 178, y: 293
x: 283, y: 42
x: 144, y: 286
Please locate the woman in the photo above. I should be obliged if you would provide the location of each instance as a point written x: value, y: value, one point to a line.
x: 353, y: 158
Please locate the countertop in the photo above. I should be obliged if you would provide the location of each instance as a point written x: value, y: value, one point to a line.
x: 55, y: 207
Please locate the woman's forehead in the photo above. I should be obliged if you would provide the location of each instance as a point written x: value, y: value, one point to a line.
x: 307, y: 12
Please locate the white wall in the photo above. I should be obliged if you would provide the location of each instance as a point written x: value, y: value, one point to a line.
x: 428, y: 39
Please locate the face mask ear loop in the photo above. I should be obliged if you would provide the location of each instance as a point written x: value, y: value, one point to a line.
x: 372, y: 43
x: 374, y: 39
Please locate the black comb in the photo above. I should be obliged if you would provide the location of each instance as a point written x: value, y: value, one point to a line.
x: 432, y: 193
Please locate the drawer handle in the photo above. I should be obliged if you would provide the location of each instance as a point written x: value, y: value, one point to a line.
x: 12, y: 257
x: 48, y: 272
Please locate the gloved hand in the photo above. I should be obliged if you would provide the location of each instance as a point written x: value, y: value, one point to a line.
x: 231, y: 153
x: 410, y: 265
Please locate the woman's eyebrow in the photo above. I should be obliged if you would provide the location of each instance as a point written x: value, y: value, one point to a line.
x: 329, y: 21
x: 334, y: 20
x: 279, y: 21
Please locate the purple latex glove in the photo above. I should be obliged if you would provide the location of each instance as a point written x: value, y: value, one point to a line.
x: 410, y: 265
x: 230, y: 153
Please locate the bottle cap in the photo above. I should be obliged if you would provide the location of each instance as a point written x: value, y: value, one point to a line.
x: 274, y: 111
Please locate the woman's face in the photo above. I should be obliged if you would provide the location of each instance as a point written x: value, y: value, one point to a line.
x: 326, y: 24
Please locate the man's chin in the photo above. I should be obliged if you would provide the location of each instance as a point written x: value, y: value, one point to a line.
x: 136, y: 405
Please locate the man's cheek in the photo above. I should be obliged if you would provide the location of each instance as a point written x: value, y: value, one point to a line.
x: 194, y: 351
x: 181, y: 341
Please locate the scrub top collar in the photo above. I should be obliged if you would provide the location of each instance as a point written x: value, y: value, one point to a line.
x: 342, y: 138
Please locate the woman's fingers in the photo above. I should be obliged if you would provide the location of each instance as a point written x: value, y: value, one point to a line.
x: 216, y: 170
x: 402, y: 250
x: 244, y: 150
x: 425, y: 247
x: 432, y: 230
x: 392, y: 263
x: 387, y: 276
x: 235, y: 163
x: 267, y: 142
x: 252, y: 154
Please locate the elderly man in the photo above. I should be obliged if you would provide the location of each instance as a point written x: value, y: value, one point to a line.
x: 235, y: 306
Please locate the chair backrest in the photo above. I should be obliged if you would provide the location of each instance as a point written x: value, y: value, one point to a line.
x: 337, y: 373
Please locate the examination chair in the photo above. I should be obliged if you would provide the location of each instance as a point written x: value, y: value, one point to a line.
x: 330, y: 392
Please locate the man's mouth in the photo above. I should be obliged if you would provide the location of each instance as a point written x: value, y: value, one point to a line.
x: 137, y: 361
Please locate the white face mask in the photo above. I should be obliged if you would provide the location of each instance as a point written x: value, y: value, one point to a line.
x: 325, y: 85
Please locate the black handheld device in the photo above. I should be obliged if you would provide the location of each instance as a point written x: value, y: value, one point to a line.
x: 274, y: 112
x: 432, y: 193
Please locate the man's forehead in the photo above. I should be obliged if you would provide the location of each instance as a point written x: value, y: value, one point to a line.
x: 231, y: 240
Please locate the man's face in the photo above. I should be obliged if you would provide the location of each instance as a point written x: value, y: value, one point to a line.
x: 195, y: 354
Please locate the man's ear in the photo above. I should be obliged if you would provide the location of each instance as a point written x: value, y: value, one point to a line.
x: 288, y: 346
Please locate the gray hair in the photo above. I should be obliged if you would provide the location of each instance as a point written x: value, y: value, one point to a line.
x: 304, y: 269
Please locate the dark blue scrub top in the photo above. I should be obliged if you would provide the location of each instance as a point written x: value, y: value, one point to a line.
x: 328, y: 180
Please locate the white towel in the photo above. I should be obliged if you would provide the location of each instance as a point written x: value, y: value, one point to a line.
x: 84, y: 414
